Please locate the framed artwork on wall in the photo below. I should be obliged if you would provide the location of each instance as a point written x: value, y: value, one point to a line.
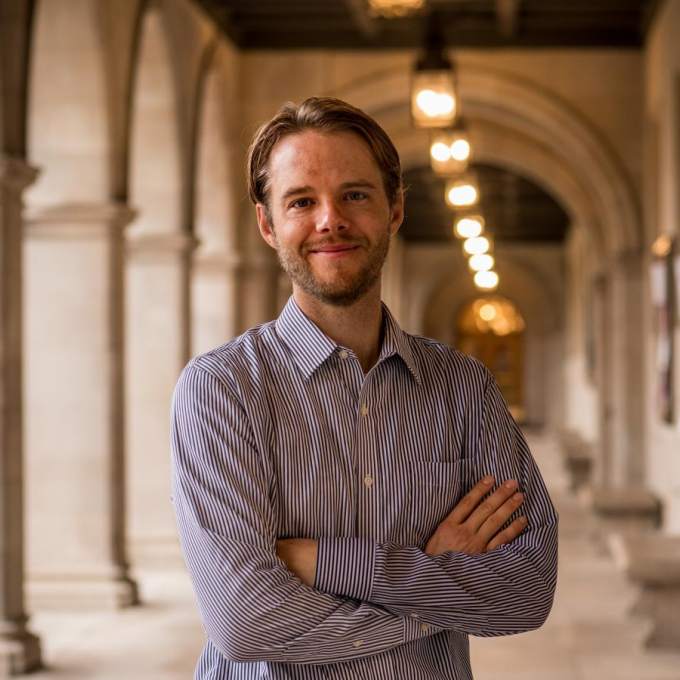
x: 664, y: 292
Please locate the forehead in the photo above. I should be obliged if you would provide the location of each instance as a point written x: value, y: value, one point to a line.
x: 314, y: 158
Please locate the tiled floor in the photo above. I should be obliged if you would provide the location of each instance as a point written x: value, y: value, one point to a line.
x: 589, y: 636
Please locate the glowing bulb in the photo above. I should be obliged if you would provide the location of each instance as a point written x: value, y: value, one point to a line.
x: 440, y: 152
x: 460, y: 150
x: 445, y: 104
x: 462, y: 195
x: 428, y: 102
x: 481, y: 262
x: 487, y: 312
x: 486, y: 280
x: 476, y: 246
x: 469, y: 227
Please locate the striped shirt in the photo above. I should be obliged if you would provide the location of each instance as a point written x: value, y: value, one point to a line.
x: 279, y: 434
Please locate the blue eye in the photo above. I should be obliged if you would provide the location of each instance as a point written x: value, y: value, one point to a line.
x: 356, y: 195
x: 301, y: 203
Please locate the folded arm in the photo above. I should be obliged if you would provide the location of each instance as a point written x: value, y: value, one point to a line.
x: 252, y: 607
x: 504, y: 590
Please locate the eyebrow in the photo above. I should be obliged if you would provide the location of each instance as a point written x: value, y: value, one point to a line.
x: 357, y: 184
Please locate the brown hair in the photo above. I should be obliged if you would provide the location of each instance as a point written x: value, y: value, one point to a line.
x: 323, y: 115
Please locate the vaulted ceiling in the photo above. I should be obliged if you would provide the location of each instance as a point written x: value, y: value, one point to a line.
x: 347, y: 24
x: 515, y: 209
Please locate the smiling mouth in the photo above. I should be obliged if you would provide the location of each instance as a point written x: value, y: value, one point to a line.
x: 333, y: 250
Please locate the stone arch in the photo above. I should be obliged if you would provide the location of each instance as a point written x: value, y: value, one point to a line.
x: 68, y: 118
x: 217, y: 179
x: 159, y: 250
x: 155, y: 182
x: 73, y: 273
x: 523, y: 109
x: 536, y: 299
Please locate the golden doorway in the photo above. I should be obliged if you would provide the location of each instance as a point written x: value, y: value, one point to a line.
x: 491, y: 329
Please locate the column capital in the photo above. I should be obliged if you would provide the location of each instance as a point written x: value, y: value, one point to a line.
x: 16, y: 174
x: 161, y: 244
x: 77, y: 220
x: 217, y: 262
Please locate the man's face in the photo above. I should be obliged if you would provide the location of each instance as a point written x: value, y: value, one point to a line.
x: 330, y: 220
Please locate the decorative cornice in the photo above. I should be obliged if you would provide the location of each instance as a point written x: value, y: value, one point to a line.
x: 161, y: 244
x: 77, y: 221
x: 217, y: 262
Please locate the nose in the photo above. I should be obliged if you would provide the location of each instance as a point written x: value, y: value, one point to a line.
x: 331, y: 218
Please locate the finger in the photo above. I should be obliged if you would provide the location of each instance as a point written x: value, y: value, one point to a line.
x: 489, y: 505
x: 499, y: 518
x: 471, y: 500
x: 508, y: 535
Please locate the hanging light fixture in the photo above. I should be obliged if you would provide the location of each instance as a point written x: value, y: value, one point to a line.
x: 468, y: 226
x: 394, y: 9
x: 486, y: 280
x: 477, y: 246
x: 462, y: 192
x: 433, y: 91
x: 482, y: 262
x: 450, y: 151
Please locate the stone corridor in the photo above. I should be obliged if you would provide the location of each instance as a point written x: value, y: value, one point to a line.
x: 590, y: 634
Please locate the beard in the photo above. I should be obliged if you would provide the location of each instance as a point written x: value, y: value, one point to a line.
x: 341, y: 290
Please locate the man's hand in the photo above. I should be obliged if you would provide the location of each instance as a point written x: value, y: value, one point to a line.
x: 299, y: 555
x: 474, y: 526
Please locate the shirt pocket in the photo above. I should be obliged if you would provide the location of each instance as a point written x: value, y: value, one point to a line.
x: 435, y: 490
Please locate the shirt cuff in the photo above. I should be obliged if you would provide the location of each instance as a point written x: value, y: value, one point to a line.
x: 345, y: 566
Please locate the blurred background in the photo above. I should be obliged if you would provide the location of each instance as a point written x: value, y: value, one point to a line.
x: 541, y: 146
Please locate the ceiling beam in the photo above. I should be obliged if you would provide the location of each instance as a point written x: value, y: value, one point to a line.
x: 367, y: 25
x: 507, y: 17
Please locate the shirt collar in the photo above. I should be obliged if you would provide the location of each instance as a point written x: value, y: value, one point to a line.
x: 396, y: 341
x: 310, y: 347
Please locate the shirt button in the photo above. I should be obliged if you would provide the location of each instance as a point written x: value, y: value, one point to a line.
x: 414, y: 615
x: 364, y: 410
x: 358, y: 643
x: 424, y: 627
x: 368, y: 481
x: 343, y: 354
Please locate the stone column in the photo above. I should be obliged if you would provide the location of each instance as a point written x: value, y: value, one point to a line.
x: 259, y: 287
x: 620, y: 497
x: 628, y: 387
x: 19, y: 648
x: 158, y: 340
x: 214, y: 290
x: 74, y: 407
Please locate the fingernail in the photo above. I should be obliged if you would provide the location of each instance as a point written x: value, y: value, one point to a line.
x: 522, y: 520
x: 517, y: 497
x: 488, y: 479
x: 510, y: 484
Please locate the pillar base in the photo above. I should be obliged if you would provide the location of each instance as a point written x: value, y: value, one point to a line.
x: 81, y: 593
x: 19, y: 653
x: 652, y: 562
x: 578, y: 459
x: 626, y: 509
x: 156, y: 554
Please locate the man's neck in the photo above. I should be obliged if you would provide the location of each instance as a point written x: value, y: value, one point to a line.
x: 357, y: 327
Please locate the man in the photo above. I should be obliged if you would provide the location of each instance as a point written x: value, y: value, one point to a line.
x: 348, y: 495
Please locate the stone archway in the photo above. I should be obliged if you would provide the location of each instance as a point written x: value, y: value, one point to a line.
x: 538, y: 303
x: 73, y: 260
x: 524, y: 128
x: 157, y: 286
x: 217, y: 189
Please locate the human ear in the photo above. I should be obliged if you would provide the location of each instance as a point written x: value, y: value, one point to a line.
x: 397, y: 212
x: 266, y: 228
